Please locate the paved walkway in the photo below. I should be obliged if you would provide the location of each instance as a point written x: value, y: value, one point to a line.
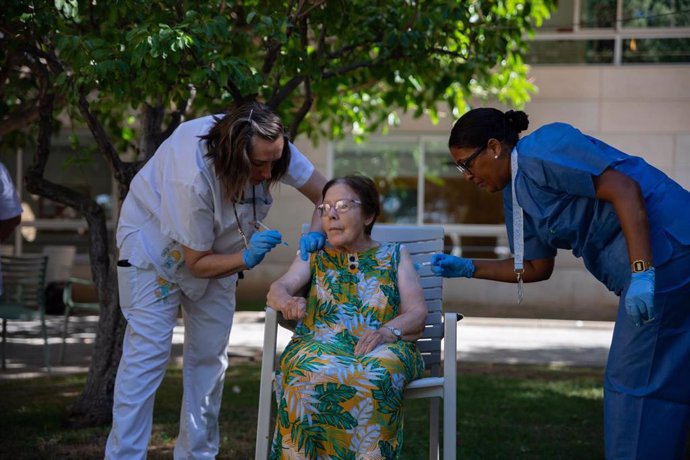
x: 490, y: 340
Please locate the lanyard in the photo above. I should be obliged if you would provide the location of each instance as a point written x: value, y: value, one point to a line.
x: 237, y: 218
x: 518, y: 236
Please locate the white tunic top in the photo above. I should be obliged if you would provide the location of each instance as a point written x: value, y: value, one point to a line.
x: 177, y: 199
x: 9, y: 201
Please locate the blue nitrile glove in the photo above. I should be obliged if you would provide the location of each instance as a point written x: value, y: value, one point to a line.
x: 259, y: 245
x: 639, y: 301
x: 312, y: 241
x: 452, y: 267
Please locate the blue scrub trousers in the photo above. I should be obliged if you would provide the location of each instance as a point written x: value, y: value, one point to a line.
x: 647, y: 385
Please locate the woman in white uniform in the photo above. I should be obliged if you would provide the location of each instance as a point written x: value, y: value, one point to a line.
x: 187, y: 227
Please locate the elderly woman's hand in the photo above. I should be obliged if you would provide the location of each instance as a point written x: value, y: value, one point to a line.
x: 295, y: 308
x: 372, y: 339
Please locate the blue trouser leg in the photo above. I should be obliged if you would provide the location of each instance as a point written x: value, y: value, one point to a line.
x: 644, y: 428
x: 647, y: 387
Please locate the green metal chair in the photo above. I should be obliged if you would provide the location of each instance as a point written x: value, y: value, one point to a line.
x: 23, y: 297
x: 74, y: 297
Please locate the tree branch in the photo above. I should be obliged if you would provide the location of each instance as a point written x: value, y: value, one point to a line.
x: 351, y: 47
x: 19, y: 119
x: 305, y: 13
x: 45, y: 131
x: 308, y: 98
x: 123, y: 172
x: 35, y: 181
x: 275, y: 45
x: 175, y: 120
x: 234, y: 90
x: 303, y: 110
x: 285, y: 91
x: 151, y: 120
x: 354, y: 66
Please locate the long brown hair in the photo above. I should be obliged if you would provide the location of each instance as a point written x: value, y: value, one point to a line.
x: 229, y: 144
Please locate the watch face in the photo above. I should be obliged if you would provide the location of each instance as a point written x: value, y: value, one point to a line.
x: 640, y: 266
x: 396, y: 332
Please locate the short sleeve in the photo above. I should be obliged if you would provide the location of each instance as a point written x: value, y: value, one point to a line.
x: 559, y: 157
x: 300, y: 168
x: 9, y: 201
x: 187, y: 205
x: 186, y: 215
x: 535, y: 248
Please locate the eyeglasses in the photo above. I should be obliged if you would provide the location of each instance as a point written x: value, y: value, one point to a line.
x: 464, y: 165
x: 340, y: 206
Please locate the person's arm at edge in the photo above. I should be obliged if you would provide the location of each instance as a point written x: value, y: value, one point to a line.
x: 413, y: 309
x: 504, y: 270
x: 411, y: 317
x: 312, y: 190
x: 281, y: 294
x: 7, y: 226
x: 626, y: 197
x: 207, y: 264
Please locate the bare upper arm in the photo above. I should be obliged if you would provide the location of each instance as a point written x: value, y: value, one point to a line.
x: 313, y: 187
x: 297, y: 276
x: 612, y: 185
x: 411, y: 293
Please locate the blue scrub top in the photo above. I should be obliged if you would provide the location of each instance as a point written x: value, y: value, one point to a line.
x: 555, y: 188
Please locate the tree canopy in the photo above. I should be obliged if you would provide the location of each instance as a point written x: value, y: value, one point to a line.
x: 132, y: 70
x: 326, y: 66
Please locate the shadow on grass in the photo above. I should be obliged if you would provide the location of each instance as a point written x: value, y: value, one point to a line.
x: 504, y: 412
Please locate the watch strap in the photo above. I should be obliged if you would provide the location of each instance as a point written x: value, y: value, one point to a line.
x: 395, y: 331
x: 640, y: 266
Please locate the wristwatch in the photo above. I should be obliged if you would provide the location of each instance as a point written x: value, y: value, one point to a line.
x: 640, y: 266
x: 396, y: 332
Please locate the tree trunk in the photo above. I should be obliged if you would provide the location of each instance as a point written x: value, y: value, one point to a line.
x: 95, y: 404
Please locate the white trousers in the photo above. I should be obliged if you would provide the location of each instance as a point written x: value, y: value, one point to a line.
x: 150, y: 306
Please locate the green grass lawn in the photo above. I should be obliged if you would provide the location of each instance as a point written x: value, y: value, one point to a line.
x: 505, y: 412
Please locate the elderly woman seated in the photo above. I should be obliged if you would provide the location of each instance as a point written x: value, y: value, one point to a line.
x: 342, y: 377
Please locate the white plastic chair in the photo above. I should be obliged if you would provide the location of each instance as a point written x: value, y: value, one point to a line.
x: 421, y: 242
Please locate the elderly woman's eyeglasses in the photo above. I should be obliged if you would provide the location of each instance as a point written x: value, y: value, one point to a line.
x: 464, y: 165
x: 340, y: 206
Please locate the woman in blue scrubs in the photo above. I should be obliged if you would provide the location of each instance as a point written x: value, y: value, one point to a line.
x: 630, y: 223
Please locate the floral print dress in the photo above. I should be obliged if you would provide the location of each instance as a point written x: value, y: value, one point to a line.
x: 333, y: 404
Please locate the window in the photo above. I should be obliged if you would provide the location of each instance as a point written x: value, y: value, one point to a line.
x: 614, y: 32
x: 571, y: 52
